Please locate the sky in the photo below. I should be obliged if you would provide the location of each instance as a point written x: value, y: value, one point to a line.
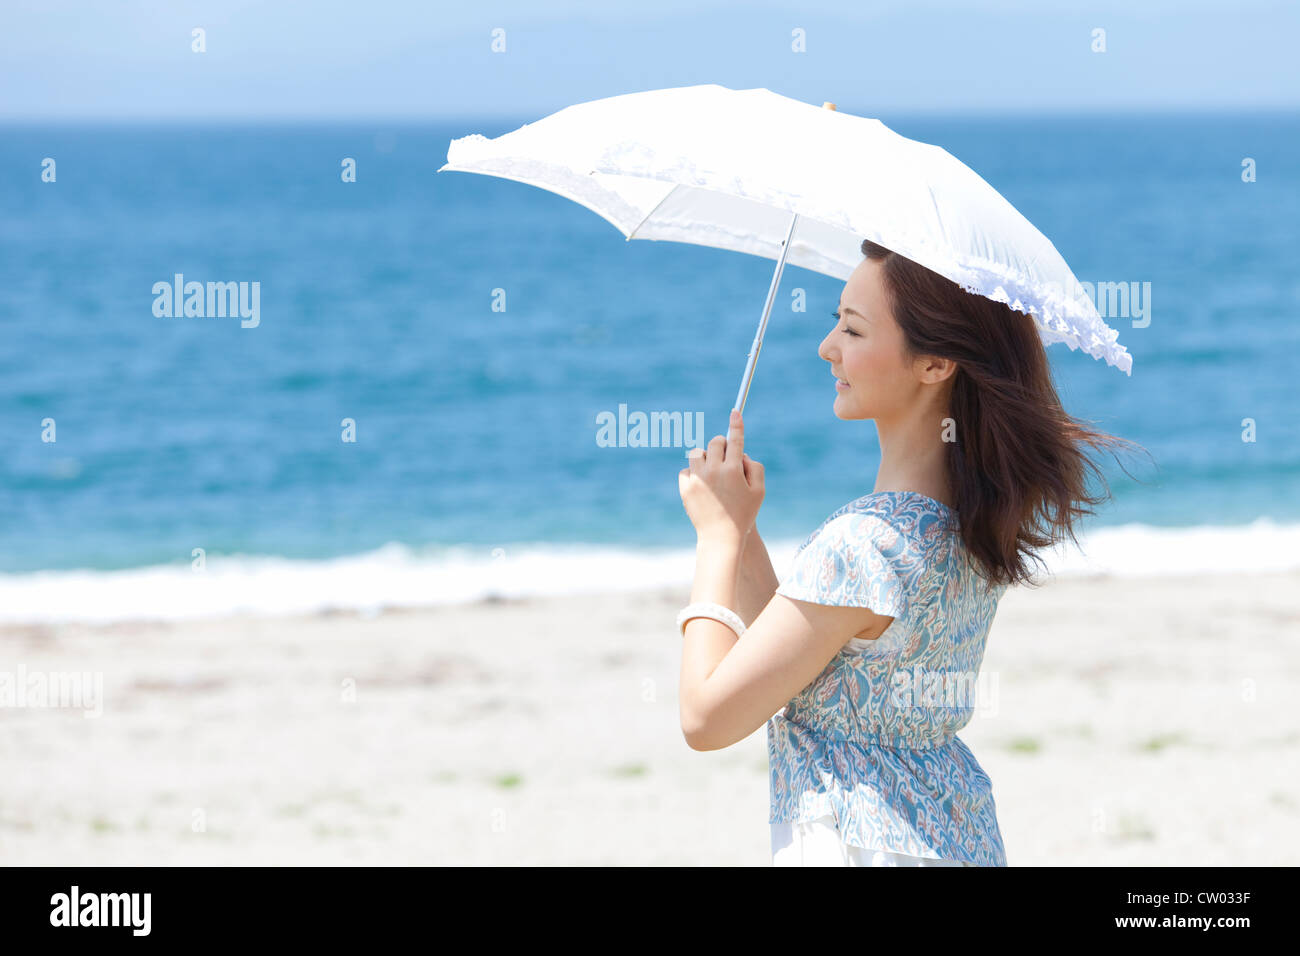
x: 131, y: 60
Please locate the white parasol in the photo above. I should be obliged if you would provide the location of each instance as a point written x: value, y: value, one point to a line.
x: 764, y: 174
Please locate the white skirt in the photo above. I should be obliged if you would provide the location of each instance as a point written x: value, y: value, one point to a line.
x: 817, y: 843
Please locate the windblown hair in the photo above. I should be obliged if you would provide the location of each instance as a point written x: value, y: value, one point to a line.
x: 1018, y: 467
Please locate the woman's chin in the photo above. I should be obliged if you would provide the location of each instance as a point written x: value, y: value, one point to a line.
x: 845, y: 410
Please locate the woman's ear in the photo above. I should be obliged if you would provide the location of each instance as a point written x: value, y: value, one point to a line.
x: 932, y: 369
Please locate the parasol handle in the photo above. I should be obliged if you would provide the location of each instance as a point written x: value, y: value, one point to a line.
x: 767, y: 309
x: 762, y: 324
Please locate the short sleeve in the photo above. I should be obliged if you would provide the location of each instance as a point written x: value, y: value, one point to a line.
x: 852, y: 561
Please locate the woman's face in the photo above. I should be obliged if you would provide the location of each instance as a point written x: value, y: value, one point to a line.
x: 865, y: 350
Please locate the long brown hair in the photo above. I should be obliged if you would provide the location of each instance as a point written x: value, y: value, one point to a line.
x: 1018, y: 467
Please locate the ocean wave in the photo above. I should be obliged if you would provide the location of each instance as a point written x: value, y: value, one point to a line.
x: 399, y: 577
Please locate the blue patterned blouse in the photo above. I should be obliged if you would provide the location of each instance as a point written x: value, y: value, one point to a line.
x: 872, y: 740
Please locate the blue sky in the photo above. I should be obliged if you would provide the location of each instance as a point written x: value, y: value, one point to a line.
x: 343, y: 59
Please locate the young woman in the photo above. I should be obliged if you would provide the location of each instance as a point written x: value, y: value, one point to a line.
x: 863, y: 662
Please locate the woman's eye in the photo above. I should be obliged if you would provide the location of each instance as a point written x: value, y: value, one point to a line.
x: 846, y: 328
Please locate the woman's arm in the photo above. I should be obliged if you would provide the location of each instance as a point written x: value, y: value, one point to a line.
x: 757, y: 581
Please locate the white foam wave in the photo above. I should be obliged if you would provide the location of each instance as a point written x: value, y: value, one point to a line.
x: 396, y: 576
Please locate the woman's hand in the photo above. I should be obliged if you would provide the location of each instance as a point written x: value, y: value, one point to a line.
x: 722, y: 488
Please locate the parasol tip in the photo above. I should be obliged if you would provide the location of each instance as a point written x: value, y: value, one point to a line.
x: 828, y: 106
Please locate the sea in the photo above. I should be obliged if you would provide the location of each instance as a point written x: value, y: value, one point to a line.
x: 408, y: 409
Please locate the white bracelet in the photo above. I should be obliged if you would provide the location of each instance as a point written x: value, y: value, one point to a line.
x: 715, y: 611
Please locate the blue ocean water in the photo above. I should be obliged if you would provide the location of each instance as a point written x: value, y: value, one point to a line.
x: 477, y: 427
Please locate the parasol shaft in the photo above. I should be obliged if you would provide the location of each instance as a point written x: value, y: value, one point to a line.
x: 762, y: 324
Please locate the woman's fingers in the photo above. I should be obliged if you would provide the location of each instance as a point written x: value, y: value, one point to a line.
x: 736, y: 437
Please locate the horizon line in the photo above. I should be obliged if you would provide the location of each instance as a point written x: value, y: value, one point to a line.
x: 960, y: 113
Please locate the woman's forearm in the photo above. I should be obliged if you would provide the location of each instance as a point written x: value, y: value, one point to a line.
x: 757, y: 581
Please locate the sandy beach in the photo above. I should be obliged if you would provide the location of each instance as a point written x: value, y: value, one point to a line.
x: 1137, y: 721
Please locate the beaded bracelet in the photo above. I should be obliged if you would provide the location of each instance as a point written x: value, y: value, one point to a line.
x: 715, y: 611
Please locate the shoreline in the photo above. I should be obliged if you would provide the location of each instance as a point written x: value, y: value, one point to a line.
x: 395, y: 577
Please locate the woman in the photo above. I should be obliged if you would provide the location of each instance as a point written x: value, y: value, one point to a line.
x: 862, y: 662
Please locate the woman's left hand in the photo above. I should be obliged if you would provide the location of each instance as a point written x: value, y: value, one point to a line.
x: 722, y: 488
